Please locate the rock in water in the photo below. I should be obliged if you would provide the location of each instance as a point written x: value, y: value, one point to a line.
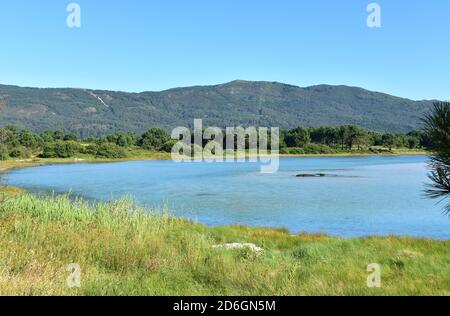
x: 309, y: 175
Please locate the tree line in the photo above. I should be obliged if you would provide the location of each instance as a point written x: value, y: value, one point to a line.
x: 16, y: 143
x: 348, y: 137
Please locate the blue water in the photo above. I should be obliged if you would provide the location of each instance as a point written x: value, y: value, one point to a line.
x: 367, y: 196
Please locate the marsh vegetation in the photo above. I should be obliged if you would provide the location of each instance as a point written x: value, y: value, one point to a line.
x: 123, y: 251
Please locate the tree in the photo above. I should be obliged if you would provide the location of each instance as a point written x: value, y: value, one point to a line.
x: 376, y: 138
x: 413, y: 142
x: 318, y: 135
x: 126, y: 139
x: 4, y: 136
x: 47, y: 137
x: 154, y: 139
x: 342, y: 136
x: 71, y: 137
x: 354, y: 135
x: 27, y: 139
x: 437, y: 127
x: 298, y: 137
x: 362, y: 138
x: 422, y: 138
x: 388, y: 140
x: 9, y: 136
x: 332, y: 136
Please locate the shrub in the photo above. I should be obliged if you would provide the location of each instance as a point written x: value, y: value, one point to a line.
x: 61, y: 149
x: 154, y: 139
x: 19, y: 152
x: 167, y: 147
x: 49, y: 151
x: 309, y: 149
x: 318, y: 149
x: 91, y: 149
x: 110, y: 150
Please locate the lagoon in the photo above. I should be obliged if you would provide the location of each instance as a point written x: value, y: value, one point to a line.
x: 377, y: 195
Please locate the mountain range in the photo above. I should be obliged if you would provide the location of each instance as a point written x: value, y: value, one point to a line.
x: 271, y: 104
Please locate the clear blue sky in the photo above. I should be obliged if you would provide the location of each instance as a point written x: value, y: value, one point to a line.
x: 140, y: 45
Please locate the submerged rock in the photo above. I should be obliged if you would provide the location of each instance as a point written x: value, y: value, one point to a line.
x: 310, y: 175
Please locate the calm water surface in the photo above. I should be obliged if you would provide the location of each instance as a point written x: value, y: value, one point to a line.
x: 366, y: 196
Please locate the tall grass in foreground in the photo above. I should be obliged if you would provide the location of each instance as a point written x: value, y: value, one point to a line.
x: 123, y: 251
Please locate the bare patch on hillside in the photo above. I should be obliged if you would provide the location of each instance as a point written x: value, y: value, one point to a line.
x: 107, y: 98
x: 32, y: 111
x: 63, y: 96
x: 90, y: 110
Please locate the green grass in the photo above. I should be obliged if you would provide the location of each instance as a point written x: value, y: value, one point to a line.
x: 123, y: 251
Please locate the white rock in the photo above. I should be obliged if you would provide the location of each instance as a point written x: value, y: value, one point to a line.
x: 252, y: 247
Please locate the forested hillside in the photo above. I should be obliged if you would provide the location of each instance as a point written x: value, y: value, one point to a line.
x: 91, y: 113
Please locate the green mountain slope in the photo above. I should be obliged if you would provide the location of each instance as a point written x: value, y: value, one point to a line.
x: 94, y: 112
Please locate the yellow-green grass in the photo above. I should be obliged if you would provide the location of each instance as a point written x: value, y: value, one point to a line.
x: 131, y: 155
x: 123, y: 251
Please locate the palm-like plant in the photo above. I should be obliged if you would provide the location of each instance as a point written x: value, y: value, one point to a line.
x: 437, y: 126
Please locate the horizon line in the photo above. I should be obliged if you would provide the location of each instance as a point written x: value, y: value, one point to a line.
x: 215, y: 85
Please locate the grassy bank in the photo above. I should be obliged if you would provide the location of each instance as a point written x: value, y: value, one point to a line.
x: 131, y: 155
x: 122, y: 251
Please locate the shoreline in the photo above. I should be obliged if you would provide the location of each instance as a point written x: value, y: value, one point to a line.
x: 35, y: 162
